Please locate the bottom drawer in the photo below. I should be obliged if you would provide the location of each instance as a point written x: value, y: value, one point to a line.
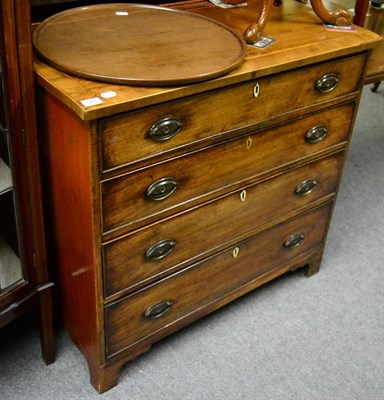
x: 147, y: 311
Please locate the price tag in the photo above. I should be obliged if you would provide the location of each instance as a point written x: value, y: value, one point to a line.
x: 263, y: 42
x: 94, y: 101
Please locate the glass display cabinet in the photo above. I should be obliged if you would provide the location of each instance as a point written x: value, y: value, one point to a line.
x: 11, y: 268
x: 24, y: 283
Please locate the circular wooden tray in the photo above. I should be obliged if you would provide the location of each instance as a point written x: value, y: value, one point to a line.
x: 137, y: 44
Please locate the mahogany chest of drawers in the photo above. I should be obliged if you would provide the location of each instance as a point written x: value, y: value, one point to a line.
x: 165, y: 204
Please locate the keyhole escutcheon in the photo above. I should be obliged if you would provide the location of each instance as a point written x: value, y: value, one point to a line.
x: 235, y: 252
x: 248, y: 143
x: 243, y: 195
x: 256, y: 90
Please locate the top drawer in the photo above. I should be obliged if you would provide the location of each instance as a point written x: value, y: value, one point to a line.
x: 155, y: 130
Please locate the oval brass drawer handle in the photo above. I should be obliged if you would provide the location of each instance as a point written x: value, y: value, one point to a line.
x: 316, y: 134
x: 327, y: 83
x: 165, y: 129
x: 158, y: 309
x: 294, y: 241
x: 160, y: 249
x: 161, y: 189
x: 306, y: 187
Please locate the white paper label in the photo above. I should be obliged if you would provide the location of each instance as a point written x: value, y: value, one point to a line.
x: 108, y: 95
x: 91, y: 102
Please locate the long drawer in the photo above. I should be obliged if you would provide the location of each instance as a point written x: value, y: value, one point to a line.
x: 145, y: 312
x: 133, y: 199
x: 154, y: 251
x: 148, y: 132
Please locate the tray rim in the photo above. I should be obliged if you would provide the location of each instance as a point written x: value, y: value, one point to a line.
x: 139, y: 81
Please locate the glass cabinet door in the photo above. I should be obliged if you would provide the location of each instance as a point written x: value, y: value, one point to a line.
x: 11, y: 271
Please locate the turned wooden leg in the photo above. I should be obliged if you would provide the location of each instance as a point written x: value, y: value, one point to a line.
x: 255, y: 30
x: 46, y: 325
x: 338, y: 17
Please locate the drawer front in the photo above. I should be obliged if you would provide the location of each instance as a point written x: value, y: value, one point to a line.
x: 152, y: 131
x: 160, y: 249
x: 198, y: 176
x: 149, y: 310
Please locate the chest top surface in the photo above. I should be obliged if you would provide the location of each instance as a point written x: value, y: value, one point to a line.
x: 300, y: 39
